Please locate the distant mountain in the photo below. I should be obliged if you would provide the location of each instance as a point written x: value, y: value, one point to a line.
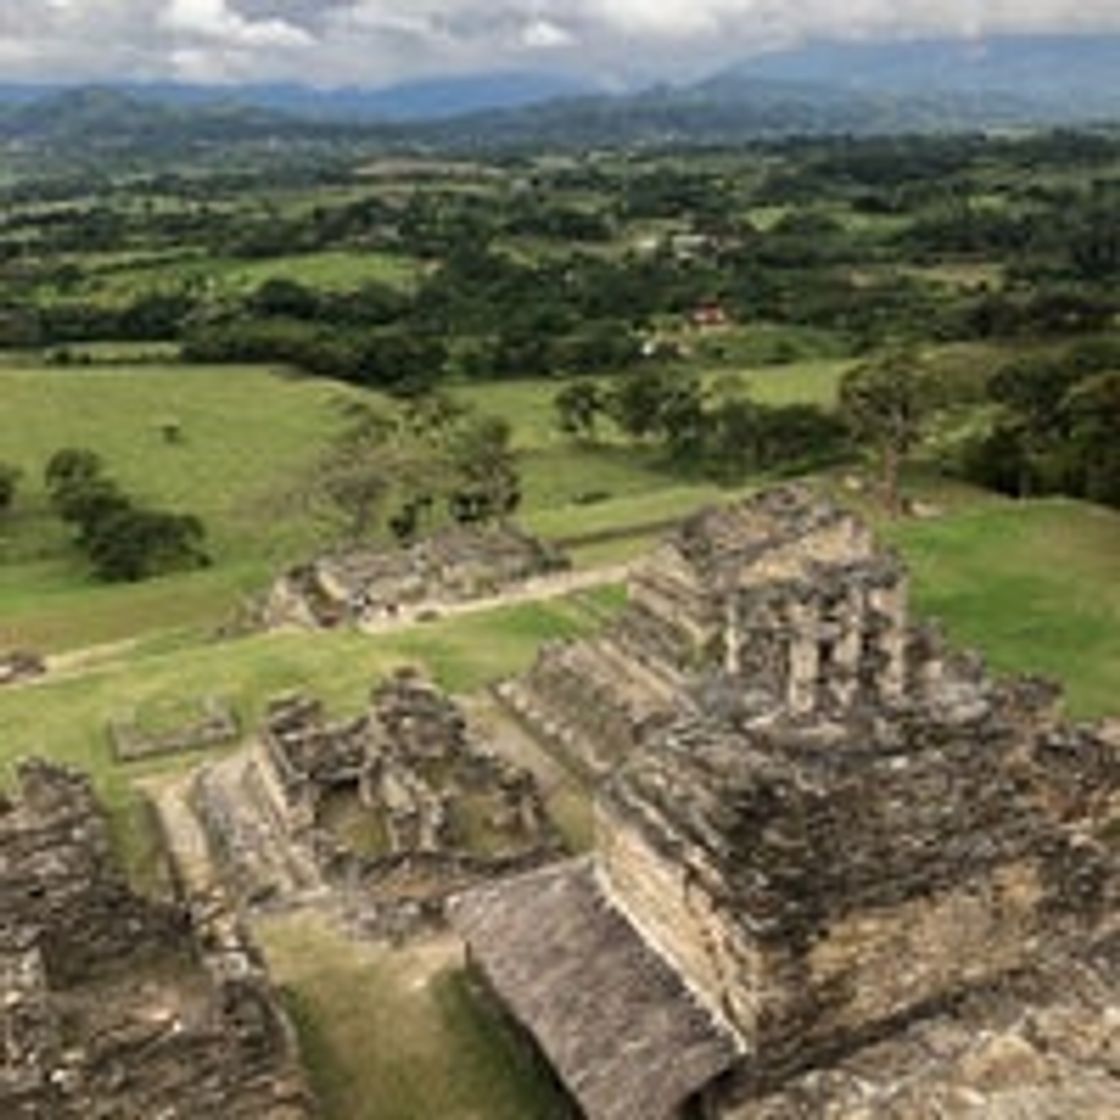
x: 93, y: 113
x: 822, y: 88
x: 1072, y: 76
x: 408, y: 101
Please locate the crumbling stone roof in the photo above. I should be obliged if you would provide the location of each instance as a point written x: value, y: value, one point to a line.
x: 619, y: 1026
x: 724, y: 541
x: 789, y: 823
x: 365, y: 584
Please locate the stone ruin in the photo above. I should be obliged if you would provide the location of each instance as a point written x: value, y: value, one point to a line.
x: 393, y: 810
x: 839, y: 871
x: 115, y: 1007
x: 214, y: 724
x: 369, y: 585
x: 18, y: 666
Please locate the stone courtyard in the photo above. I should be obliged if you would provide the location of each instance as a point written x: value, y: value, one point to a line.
x: 385, y: 814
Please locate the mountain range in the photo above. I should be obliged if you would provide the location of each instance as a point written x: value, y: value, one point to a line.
x: 822, y: 87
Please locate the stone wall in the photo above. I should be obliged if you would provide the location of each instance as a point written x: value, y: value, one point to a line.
x: 112, y: 1006
x: 59, y: 884
x: 389, y: 812
x: 373, y: 584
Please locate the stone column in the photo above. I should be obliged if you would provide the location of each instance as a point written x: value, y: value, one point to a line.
x: 848, y: 649
x: 889, y: 602
x: 804, y: 656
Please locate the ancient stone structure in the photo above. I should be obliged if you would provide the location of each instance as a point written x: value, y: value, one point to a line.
x: 214, y: 725
x: 396, y: 808
x: 19, y: 665
x: 113, y: 1006
x: 368, y: 585
x: 828, y: 827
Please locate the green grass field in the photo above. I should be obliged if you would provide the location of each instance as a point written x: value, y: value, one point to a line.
x: 1034, y: 586
x: 399, y: 1035
x: 248, y: 432
x: 115, y: 282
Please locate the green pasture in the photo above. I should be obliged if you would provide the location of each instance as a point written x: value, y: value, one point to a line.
x: 1034, y: 585
x: 333, y: 270
x: 248, y: 435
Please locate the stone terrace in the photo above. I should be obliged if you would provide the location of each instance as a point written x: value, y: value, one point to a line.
x: 831, y: 830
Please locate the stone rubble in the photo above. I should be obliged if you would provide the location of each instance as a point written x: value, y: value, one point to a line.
x: 18, y: 666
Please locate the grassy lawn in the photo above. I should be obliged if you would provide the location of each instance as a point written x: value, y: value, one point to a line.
x: 1035, y: 586
x: 65, y: 717
x: 245, y: 430
x: 248, y: 432
x: 400, y: 1034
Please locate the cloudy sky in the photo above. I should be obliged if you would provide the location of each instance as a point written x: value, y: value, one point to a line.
x: 375, y: 42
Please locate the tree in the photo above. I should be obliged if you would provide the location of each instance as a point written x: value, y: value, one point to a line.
x: 9, y: 482
x: 638, y: 400
x: 123, y: 540
x: 886, y: 403
x: 1093, y: 409
x: 578, y: 407
x: 129, y: 544
x: 486, y: 484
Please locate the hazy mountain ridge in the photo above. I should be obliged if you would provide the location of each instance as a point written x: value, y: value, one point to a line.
x: 820, y: 88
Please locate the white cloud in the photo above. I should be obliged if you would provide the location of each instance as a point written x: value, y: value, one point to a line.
x: 335, y: 41
x: 544, y: 35
x: 214, y: 19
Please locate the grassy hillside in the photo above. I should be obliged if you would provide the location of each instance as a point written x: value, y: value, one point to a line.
x: 248, y: 432
x: 1035, y: 586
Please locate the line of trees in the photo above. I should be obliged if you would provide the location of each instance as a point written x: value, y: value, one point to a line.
x: 718, y: 431
x: 123, y: 540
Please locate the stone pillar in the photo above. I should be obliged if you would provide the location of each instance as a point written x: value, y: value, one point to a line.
x: 846, y: 653
x: 732, y: 637
x: 804, y: 655
x: 889, y: 603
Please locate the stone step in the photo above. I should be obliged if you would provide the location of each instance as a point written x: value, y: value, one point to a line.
x: 185, y: 837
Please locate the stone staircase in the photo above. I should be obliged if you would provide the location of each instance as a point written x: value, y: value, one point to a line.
x: 242, y: 812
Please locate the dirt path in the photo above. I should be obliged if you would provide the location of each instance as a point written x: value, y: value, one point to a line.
x: 538, y: 590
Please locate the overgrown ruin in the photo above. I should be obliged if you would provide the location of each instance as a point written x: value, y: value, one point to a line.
x: 840, y: 870
x: 368, y: 585
x: 18, y: 666
x: 388, y: 812
x: 115, y: 1007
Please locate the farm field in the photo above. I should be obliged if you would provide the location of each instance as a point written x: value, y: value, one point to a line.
x: 116, y: 280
